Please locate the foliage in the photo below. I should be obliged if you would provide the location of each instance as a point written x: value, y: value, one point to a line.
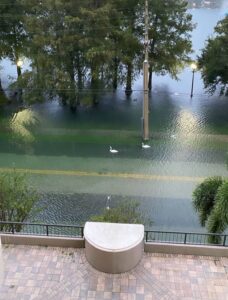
x: 210, y: 199
x: 126, y: 212
x: 12, y: 31
x: 21, y: 124
x: 169, y: 37
x: 213, y: 60
x: 16, y: 197
x: 204, y: 197
x: 77, y: 48
x: 218, y: 219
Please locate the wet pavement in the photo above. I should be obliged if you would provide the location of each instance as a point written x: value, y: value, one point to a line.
x: 32, y: 272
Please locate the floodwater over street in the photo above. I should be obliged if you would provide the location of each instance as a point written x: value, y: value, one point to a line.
x: 70, y: 164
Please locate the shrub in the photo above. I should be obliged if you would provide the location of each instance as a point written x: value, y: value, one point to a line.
x: 16, y: 198
x: 126, y: 212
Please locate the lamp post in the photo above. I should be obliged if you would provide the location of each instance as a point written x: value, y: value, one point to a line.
x: 194, y: 68
x: 145, y: 117
x: 19, y: 91
x: 19, y: 65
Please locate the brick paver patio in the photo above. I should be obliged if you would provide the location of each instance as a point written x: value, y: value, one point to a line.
x: 56, y: 273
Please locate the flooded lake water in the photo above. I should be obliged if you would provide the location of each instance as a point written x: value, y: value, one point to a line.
x: 72, y: 167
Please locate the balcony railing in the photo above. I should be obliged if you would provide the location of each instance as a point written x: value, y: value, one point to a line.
x: 62, y: 230
x: 191, y: 238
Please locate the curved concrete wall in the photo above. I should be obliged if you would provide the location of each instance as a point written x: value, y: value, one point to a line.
x: 113, y: 261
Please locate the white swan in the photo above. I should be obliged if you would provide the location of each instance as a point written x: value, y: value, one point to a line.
x: 145, y: 146
x: 113, y: 150
x: 108, y: 203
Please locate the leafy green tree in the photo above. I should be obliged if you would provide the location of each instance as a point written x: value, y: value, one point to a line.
x: 130, y: 45
x: 68, y: 49
x: 77, y: 48
x: 210, y: 200
x: 97, y: 48
x: 213, y: 60
x: 51, y: 40
x: 126, y: 212
x: 204, y: 197
x: 218, y: 219
x: 12, y: 32
x: 169, y: 37
x: 16, y: 198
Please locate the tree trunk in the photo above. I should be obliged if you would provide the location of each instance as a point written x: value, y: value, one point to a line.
x: 79, y: 77
x: 94, y: 86
x: 72, y: 97
x: 1, y: 89
x: 128, y: 90
x: 115, y: 74
x: 73, y: 103
x: 80, y: 81
x: 80, y: 85
x: 18, y: 93
x: 18, y: 71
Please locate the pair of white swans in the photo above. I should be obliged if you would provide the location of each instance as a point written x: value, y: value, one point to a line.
x: 144, y: 146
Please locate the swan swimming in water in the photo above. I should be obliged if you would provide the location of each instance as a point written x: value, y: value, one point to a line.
x: 145, y: 146
x: 113, y: 150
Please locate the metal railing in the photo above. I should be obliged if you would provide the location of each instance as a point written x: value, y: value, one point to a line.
x: 62, y: 230
x: 190, y: 238
x: 42, y: 229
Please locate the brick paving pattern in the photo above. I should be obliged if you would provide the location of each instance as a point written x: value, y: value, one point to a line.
x: 32, y: 272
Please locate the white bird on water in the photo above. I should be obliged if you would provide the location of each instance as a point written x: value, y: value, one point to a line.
x: 113, y: 150
x: 145, y: 146
x: 108, y: 203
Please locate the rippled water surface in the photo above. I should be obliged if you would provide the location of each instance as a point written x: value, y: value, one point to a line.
x: 189, y: 141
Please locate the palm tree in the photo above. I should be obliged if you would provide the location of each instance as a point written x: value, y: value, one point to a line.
x: 204, y: 197
x: 210, y: 200
x: 218, y: 219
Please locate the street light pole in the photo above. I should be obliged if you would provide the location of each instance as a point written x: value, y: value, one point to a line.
x: 145, y: 80
x: 193, y: 67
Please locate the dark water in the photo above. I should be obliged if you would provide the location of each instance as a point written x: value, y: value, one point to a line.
x: 189, y: 138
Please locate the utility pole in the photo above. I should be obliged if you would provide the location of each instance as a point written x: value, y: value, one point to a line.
x: 145, y: 117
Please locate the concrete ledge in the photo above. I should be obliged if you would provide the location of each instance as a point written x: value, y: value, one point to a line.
x: 148, y: 247
x: 186, y: 249
x: 50, y: 241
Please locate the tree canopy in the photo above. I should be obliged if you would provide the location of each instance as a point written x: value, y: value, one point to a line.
x: 210, y: 199
x: 79, y: 48
x: 213, y: 61
x: 169, y: 35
